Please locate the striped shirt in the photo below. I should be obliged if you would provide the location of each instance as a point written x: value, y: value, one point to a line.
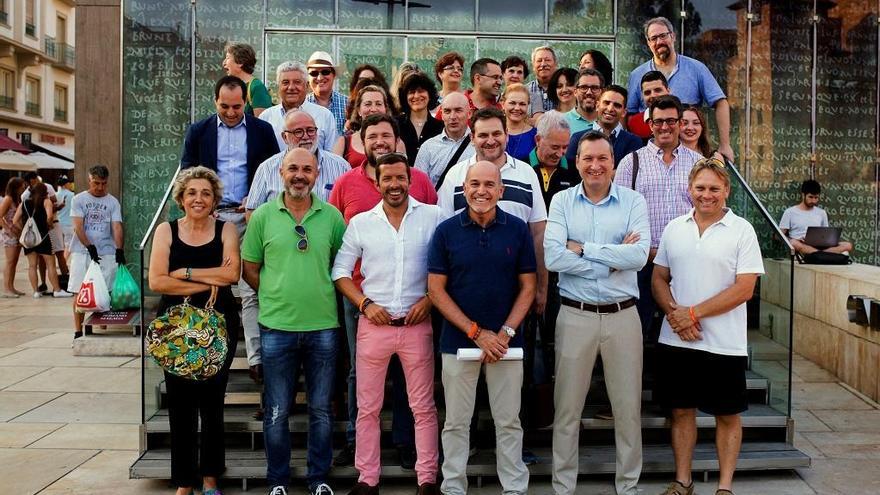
x: 435, y: 153
x: 267, y: 183
x: 538, y: 99
x: 338, y: 102
x: 665, y: 187
x: 522, y: 191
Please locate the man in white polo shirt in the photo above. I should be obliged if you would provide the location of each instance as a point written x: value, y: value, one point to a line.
x: 706, y: 268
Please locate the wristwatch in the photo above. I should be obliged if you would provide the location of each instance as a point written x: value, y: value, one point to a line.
x: 509, y: 331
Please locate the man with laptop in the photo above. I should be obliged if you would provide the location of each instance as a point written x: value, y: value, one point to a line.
x: 806, y: 225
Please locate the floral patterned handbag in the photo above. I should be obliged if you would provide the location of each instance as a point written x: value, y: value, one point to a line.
x: 189, y: 342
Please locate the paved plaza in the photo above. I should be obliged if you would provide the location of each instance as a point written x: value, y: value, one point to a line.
x: 69, y: 425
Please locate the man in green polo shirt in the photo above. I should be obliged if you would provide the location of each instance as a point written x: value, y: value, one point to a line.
x: 288, y: 250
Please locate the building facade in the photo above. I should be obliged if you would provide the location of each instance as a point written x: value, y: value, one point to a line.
x: 37, y: 65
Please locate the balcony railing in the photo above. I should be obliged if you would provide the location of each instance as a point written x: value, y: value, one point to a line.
x: 60, y: 115
x: 30, y: 29
x: 7, y: 102
x: 32, y: 109
x: 66, y: 55
x: 4, y: 18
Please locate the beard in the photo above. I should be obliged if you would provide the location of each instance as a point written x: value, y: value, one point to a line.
x: 295, y: 193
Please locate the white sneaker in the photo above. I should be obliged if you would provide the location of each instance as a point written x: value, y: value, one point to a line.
x: 278, y: 490
x: 38, y: 295
x: 322, y: 489
x: 61, y: 293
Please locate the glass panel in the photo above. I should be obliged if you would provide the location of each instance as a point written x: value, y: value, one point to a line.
x: 569, y: 52
x: 780, y: 91
x: 217, y: 23
x: 443, y: 15
x: 499, y: 49
x: 711, y: 37
x: 371, y: 14
x: 582, y: 17
x: 300, y: 13
x: 512, y: 16
x: 846, y: 92
x: 425, y: 52
x: 385, y: 52
x: 769, y: 316
x: 156, y: 89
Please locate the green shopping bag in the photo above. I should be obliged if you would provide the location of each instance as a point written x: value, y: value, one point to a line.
x: 126, y: 294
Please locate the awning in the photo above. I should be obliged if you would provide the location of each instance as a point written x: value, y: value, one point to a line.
x: 13, y: 160
x: 7, y: 143
x: 46, y: 161
x: 53, y: 149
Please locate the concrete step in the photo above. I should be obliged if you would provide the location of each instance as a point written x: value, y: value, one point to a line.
x: 251, y: 464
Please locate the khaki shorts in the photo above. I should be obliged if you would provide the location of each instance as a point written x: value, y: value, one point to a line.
x: 79, y: 263
x: 56, y: 237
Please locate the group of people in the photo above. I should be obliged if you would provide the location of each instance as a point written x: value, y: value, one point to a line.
x: 538, y: 209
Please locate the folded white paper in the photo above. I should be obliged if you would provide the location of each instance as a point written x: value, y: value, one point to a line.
x: 468, y: 354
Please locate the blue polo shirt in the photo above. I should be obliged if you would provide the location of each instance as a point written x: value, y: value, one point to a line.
x: 691, y: 81
x: 483, y: 267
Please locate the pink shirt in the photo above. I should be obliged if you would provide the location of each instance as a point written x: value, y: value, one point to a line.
x: 355, y: 193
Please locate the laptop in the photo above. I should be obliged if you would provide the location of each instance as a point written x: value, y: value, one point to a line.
x: 822, y: 237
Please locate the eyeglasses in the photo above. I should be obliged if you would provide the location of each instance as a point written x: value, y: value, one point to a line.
x: 659, y: 122
x: 323, y: 72
x: 298, y: 133
x: 592, y: 88
x: 303, y: 243
x: 452, y: 68
x: 659, y: 37
x: 499, y: 77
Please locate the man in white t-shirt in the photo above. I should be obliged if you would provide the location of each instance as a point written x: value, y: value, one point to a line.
x: 706, y: 267
x: 798, y: 218
x: 97, y: 227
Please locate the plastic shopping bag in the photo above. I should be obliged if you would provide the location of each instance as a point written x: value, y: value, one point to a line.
x: 125, y: 294
x: 93, y: 296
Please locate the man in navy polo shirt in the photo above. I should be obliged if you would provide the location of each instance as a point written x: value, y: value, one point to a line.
x: 481, y: 276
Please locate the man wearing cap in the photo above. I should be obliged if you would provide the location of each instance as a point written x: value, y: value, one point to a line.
x: 322, y: 75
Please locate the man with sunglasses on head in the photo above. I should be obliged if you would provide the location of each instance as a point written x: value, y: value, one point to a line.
x: 287, y: 253
x: 322, y: 75
x: 299, y: 132
x: 356, y: 192
x: 391, y: 240
x: 689, y: 79
x: 659, y: 171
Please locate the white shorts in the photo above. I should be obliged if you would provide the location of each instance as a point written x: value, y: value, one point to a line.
x: 79, y: 263
x: 67, y: 232
x: 56, y: 237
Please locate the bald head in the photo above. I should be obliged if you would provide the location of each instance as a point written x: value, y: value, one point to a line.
x: 483, y: 187
x: 456, y: 112
x: 300, y: 131
x: 299, y: 171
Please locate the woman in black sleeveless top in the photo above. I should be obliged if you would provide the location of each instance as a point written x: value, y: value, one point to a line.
x: 189, y: 256
x: 39, y: 207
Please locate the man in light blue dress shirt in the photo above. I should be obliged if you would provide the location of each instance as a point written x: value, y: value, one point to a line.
x: 597, y: 238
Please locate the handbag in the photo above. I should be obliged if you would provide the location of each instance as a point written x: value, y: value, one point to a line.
x: 188, y: 341
x: 30, y: 234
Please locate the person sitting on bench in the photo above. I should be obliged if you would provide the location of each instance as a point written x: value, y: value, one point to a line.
x: 798, y: 218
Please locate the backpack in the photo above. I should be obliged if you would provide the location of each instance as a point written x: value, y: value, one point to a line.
x: 30, y: 234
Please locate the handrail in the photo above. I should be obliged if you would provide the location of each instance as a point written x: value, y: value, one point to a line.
x: 158, y: 213
x: 761, y: 207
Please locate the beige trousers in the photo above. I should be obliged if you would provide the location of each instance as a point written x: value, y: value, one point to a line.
x: 504, y: 381
x: 580, y: 337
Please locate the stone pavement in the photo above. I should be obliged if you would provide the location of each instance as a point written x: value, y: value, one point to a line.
x: 69, y: 425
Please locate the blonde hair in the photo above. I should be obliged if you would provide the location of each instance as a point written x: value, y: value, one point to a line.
x: 712, y: 164
x: 199, y: 172
x: 515, y: 88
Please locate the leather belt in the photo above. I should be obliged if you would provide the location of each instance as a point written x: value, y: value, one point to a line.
x: 397, y: 322
x: 602, y: 309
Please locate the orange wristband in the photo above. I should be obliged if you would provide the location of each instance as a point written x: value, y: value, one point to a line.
x: 361, y: 304
x: 474, y: 331
x: 693, y: 315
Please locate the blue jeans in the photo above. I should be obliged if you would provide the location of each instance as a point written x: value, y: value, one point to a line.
x: 283, y: 353
x: 402, y: 422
